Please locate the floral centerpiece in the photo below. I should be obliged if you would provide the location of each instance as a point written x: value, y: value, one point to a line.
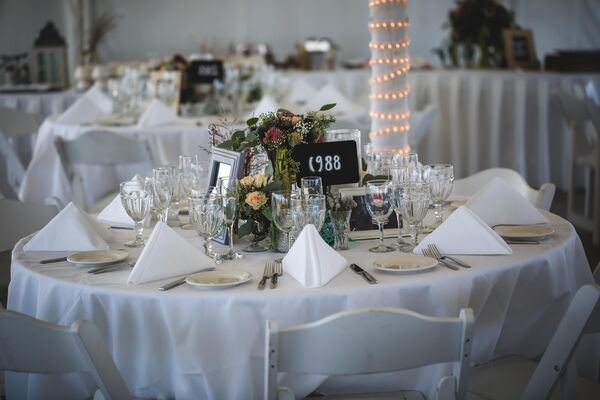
x: 254, y: 200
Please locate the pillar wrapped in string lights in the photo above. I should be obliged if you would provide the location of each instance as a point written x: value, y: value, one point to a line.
x: 388, y: 23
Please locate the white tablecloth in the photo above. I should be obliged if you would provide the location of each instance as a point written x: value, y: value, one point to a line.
x: 188, y: 343
x: 485, y: 118
x: 43, y: 104
x: 45, y: 175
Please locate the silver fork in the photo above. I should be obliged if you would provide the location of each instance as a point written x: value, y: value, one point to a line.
x: 428, y: 253
x: 278, y: 271
x: 268, y: 271
x: 435, y: 251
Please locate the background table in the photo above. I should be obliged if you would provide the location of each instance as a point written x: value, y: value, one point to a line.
x: 45, y: 104
x: 188, y: 343
x: 45, y: 175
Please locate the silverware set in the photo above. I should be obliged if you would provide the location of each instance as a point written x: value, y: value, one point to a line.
x: 364, y: 274
x: 272, y: 271
x: 450, y: 262
x: 108, y: 268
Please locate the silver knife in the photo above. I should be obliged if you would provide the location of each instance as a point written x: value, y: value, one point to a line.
x: 181, y: 280
x: 53, y: 260
x: 106, y: 268
x: 366, y: 276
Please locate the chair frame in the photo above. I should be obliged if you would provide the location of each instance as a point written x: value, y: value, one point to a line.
x: 541, y: 198
x: 358, y: 342
x: 30, y: 345
x: 99, y: 148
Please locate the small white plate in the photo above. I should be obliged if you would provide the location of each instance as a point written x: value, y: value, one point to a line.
x: 524, y: 231
x: 405, y: 263
x: 218, y: 279
x: 97, y: 258
x: 116, y: 121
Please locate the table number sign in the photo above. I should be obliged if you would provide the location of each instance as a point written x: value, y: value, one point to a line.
x: 201, y: 71
x: 335, y: 162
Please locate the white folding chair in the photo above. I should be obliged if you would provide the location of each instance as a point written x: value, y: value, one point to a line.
x: 100, y: 148
x: 517, y: 377
x: 17, y: 129
x: 34, y: 346
x: 583, y: 119
x: 368, y: 341
x: 541, y: 198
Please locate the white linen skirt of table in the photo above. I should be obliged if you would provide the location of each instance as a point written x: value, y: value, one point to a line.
x: 45, y: 175
x: 188, y: 343
x: 43, y: 104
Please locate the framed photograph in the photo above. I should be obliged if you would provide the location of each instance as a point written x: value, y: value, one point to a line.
x: 361, y: 223
x: 224, y: 164
x: 519, y: 48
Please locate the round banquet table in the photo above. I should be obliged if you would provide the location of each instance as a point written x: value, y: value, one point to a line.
x: 209, y: 344
x: 45, y: 175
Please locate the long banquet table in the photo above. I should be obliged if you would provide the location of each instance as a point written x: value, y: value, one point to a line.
x: 189, y: 343
x: 45, y: 104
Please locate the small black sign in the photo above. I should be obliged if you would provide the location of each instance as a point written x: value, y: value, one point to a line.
x: 206, y: 71
x: 335, y: 162
x: 521, y: 49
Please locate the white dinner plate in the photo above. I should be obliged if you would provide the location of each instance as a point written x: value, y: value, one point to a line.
x: 524, y: 231
x: 97, y: 258
x: 218, y: 279
x: 116, y: 121
x: 405, y: 263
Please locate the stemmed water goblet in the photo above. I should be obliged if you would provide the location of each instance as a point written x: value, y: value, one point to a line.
x: 441, y: 179
x: 311, y: 185
x: 178, y: 195
x: 186, y: 180
x: 206, y: 215
x: 379, y: 198
x: 415, y: 200
x: 136, y: 197
x: 228, y: 189
x: 162, y: 191
x: 281, y: 208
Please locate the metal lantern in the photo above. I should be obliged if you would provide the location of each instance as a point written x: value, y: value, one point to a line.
x: 49, y: 58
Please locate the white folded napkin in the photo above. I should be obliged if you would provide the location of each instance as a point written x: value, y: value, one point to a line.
x: 330, y: 94
x: 83, y: 111
x: 266, y: 104
x: 71, y: 230
x: 114, y: 213
x: 300, y: 93
x: 165, y: 255
x: 157, y: 113
x: 464, y: 233
x: 499, y: 203
x: 99, y: 98
x: 311, y: 261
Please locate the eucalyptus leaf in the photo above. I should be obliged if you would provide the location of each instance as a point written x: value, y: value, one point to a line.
x: 252, y: 121
x: 227, y: 144
x: 238, y: 135
x: 245, y: 229
x: 266, y: 211
x: 283, y: 110
x: 327, y: 107
x: 251, y: 137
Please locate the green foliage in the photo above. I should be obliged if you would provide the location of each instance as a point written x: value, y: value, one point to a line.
x: 327, y: 107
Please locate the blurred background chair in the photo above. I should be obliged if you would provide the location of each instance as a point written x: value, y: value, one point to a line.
x: 583, y: 119
x: 517, y: 377
x: 18, y: 130
x: 30, y: 345
x: 103, y: 149
x: 541, y: 198
x: 368, y: 341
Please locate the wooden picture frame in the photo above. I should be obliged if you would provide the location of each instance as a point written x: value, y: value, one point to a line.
x: 519, y: 48
x: 224, y: 163
x: 361, y: 226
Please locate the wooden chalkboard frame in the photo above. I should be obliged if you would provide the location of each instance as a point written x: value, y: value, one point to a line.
x: 512, y: 60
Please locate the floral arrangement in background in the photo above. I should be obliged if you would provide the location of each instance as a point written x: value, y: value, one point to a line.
x: 338, y: 203
x: 255, y: 204
x: 476, y: 31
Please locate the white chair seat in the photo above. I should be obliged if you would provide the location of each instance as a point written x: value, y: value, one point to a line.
x: 506, y: 379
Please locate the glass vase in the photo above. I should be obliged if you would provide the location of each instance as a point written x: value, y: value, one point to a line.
x: 340, y: 221
x: 260, y: 230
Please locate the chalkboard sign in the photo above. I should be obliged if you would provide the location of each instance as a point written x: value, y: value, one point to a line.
x: 335, y: 162
x: 201, y: 71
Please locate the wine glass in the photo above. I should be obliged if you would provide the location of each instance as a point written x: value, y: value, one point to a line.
x: 379, y: 198
x: 314, y: 207
x: 178, y: 195
x: 414, y: 204
x: 228, y: 189
x: 206, y: 215
x: 199, y: 170
x: 441, y: 179
x: 186, y: 180
x: 311, y: 185
x: 136, y: 197
x: 281, y: 208
x: 397, y: 190
x: 162, y: 191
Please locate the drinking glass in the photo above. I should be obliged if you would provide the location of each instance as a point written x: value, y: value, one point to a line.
x: 186, y: 180
x: 228, y: 189
x: 178, y: 195
x: 281, y: 208
x: 397, y: 190
x: 379, y: 198
x: 441, y: 179
x: 199, y: 173
x: 162, y: 191
x: 311, y: 185
x: 136, y: 197
x: 315, y: 209
x: 414, y: 204
x: 206, y: 215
